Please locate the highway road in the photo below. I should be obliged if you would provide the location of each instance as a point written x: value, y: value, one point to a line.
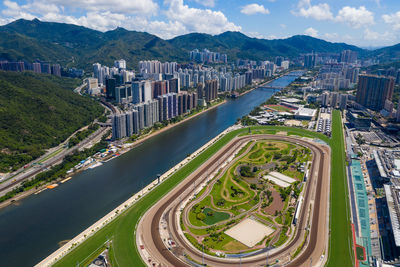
x: 314, y: 215
x: 16, y: 181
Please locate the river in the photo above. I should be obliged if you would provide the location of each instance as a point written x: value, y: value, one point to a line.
x: 33, y: 228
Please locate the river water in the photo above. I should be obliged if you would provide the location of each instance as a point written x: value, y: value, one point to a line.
x: 32, y: 229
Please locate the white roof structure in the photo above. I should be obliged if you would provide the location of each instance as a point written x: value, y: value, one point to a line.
x: 277, y: 181
x: 305, y: 112
x: 291, y: 100
x: 280, y: 179
x: 379, y: 164
x: 393, y: 212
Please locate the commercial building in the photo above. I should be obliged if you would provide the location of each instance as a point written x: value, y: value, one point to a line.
x: 359, y: 119
x: 207, y: 56
x: 141, y: 92
x: 91, y: 83
x: 174, y: 85
x: 119, y: 126
x: 392, y: 199
x: 373, y: 91
x: 159, y: 88
x: 123, y: 94
x: 120, y: 64
x: 348, y: 56
x: 305, y: 113
x: 309, y: 61
x: 110, y: 88
x: 211, y: 90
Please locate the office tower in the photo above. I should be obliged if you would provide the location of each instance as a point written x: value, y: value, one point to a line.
x: 97, y: 72
x: 285, y: 64
x: 388, y: 106
x: 398, y: 76
x: 92, y: 83
x: 141, y: 119
x: 325, y: 99
x: 200, y: 90
x: 278, y: 61
x: 210, y: 90
x: 141, y: 91
x: 343, y: 101
x: 123, y: 94
x: 172, y: 105
x: 159, y: 88
x: 398, y: 114
x: 309, y: 61
x: 180, y: 103
x: 110, y: 88
x: 249, y: 77
x: 354, y: 76
x: 119, y: 126
x: 46, y: 68
x: 174, y: 86
x: 194, y: 100
x: 129, y: 123
x: 207, y: 56
x: 348, y: 56
x: 373, y: 91
x: 36, y: 67
x: 120, y: 64
x: 135, y: 115
x: 163, y: 108
x: 334, y: 99
x: 56, y: 70
x: 148, y: 113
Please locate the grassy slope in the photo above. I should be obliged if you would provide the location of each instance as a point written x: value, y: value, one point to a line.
x: 340, y: 247
x: 123, y: 228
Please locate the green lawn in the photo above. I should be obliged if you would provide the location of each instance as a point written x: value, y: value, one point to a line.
x: 122, y: 229
x: 340, y: 247
x: 360, y: 253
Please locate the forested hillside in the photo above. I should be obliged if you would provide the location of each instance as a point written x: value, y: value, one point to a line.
x: 38, y: 112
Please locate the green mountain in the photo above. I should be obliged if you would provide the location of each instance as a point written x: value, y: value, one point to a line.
x: 15, y: 46
x: 38, y: 112
x: 78, y: 46
x: 238, y: 45
x: 385, y: 54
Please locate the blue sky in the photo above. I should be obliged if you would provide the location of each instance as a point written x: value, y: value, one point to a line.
x: 360, y: 22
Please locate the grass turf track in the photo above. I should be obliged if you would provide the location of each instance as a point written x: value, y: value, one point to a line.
x: 122, y: 230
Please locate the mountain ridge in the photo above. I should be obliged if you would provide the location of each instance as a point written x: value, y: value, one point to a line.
x: 79, y: 46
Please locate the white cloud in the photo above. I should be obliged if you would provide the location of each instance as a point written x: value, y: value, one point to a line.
x: 385, y: 37
x: 319, y: 12
x: 138, y: 7
x: 199, y: 20
x: 355, y: 17
x: 133, y: 15
x: 311, y: 32
x: 252, y: 9
x: 393, y: 20
x: 352, y: 16
x: 207, y: 3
